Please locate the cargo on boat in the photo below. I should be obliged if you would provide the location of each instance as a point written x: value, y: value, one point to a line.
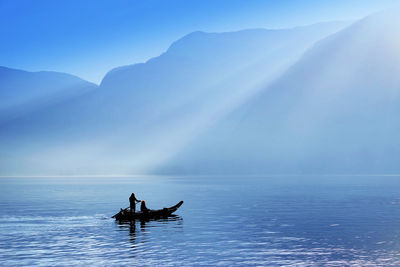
x: 127, y: 215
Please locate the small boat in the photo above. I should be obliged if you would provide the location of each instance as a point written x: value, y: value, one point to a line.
x: 127, y: 215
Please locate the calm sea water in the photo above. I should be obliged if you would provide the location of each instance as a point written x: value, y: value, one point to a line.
x: 228, y: 221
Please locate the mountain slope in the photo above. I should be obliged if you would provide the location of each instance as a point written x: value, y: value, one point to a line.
x: 22, y: 91
x: 337, y: 110
x: 194, y: 65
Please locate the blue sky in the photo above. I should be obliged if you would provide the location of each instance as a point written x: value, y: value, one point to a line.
x: 88, y: 38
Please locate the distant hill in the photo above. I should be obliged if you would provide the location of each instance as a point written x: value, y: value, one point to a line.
x: 22, y: 92
x: 337, y: 110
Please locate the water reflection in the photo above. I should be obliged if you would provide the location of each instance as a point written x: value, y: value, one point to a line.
x: 149, y: 230
x: 160, y: 222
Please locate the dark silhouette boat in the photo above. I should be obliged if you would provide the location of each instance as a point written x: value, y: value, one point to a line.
x: 127, y: 215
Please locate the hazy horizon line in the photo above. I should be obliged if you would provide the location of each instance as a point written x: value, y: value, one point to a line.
x: 189, y: 175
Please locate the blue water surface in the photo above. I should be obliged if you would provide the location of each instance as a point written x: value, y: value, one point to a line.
x: 227, y: 221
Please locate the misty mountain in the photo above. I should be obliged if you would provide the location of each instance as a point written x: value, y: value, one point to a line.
x: 145, y: 113
x: 199, y: 63
x: 337, y: 110
x: 22, y: 91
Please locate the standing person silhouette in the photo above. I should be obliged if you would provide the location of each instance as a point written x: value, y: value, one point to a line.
x: 132, y: 202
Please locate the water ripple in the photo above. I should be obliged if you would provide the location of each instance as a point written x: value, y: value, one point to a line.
x: 271, y: 223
